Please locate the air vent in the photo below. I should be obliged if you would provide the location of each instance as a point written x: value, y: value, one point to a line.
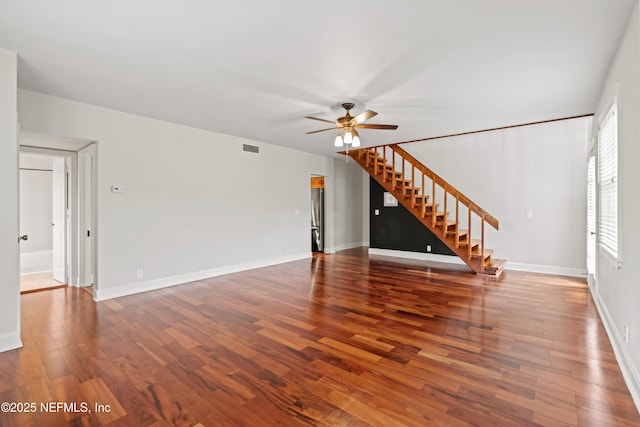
x: 250, y: 148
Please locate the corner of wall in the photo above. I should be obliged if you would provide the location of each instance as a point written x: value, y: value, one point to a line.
x: 10, y: 341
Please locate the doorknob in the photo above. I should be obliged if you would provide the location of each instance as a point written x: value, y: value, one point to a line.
x: 23, y: 237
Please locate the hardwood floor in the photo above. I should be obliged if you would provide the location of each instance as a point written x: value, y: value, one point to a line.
x: 38, y: 281
x: 337, y: 340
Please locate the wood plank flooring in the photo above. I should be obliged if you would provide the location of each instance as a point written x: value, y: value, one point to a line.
x: 38, y: 281
x: 337, y: 340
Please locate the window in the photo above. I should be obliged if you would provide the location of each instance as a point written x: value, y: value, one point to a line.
x: 608, y: 182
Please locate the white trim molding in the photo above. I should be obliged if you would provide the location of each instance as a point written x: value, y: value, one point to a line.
x: 36, y: 262
x: 422, y: 256
x: 10, y: 341
x: 625, y: 362
x: 349, y: 246
x: 547, y: 269
x: 165, y: 282
x: 453, y: 259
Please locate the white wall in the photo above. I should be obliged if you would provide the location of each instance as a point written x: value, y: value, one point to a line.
x: 348, y: 197
x: 617, y: 291
x: 36, y: 201
x: 195, y: 204
x: 539, y: 168
x: 9, y: 261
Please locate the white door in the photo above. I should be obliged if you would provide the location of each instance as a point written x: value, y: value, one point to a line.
x: 59, y: 220
x: 87, y: 171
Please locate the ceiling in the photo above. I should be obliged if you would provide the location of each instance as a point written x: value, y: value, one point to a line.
x: 254, y: 68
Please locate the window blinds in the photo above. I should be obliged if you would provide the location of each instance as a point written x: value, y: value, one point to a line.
x: 608, y: 182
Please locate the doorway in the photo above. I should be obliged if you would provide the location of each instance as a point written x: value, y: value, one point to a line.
x: 43, y: 221
x: 57, y: 212
x: 317, y: 214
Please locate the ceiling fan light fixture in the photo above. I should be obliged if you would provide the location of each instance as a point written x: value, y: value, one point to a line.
x: 348, y: 138
x: 349, y: 124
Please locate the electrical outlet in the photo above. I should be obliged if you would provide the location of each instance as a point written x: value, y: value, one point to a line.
x: 626, y: 333
x: 139, y: 273
x: 428, y: 248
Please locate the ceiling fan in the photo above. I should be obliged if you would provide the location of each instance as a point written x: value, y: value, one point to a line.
x: 349, y: 124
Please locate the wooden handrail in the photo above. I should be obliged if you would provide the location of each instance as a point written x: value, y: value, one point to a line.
x: 448, y: 188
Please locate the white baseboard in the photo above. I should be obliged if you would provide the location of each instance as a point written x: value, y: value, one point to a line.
x: 10, y: 341
x: 452, y: 259
x: 330, y: 250
x: 547, y: 269
x: 36, y: 262
x: 34, y: 271
x: 625, y: 362
x: 349, y: 246
x: 422, y: 256
x: 165, y: 282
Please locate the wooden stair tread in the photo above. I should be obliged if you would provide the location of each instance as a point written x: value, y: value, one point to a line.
x: 496, y: 263
x: 465, y: 243
x: 448, y: 223
x: 495, y: 268
x: 487, y: 254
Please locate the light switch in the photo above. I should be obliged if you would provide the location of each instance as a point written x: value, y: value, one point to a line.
x: 529, y: 214
x: 376, y: 212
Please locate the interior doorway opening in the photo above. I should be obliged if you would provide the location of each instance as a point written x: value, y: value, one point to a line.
x: 43, y: 217
x: 317, y: 214
x: 57, y: 212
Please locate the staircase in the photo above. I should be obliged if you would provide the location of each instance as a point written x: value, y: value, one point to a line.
x: 405, y: 178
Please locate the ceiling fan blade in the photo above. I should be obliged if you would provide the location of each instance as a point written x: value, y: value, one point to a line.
x: 322, y: 130
x: 373, y: 126
x: 320, y: 120
x: 363, y: 117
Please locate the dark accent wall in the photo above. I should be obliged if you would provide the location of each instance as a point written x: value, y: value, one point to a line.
x: 396, y: 228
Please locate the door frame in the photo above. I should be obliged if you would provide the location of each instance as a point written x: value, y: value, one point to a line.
x: 72, y: 256
x: 88, y: 218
